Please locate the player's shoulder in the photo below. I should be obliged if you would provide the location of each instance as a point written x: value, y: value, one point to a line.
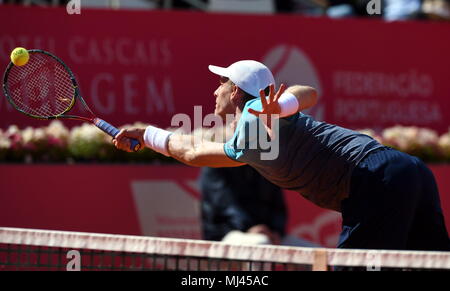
x: 254, y: 104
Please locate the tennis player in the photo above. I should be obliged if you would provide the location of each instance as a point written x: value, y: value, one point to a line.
x: 388, y: 199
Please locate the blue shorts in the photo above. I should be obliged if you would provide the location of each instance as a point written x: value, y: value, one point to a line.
x: 393, y: 204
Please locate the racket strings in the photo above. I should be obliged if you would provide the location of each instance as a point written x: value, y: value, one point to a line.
x: 42, y: 87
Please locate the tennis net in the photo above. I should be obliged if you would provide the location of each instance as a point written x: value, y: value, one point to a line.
x: 30, y: 249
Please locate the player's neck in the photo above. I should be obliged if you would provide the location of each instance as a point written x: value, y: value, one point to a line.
x: 237, y: 114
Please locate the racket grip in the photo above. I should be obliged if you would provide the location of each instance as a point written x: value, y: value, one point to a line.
x: 113, y: 131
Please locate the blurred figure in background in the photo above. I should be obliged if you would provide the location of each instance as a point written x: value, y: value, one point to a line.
x: 181, y: 4
x: 390, y: 10
x: 239, y: 200
x: 238, y: 204
x: 395, y: 10
x: 436, y: 9
x: 303, y: 7
x: 284, y: 6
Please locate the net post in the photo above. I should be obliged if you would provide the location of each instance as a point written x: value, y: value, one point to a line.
x: 320, y: 260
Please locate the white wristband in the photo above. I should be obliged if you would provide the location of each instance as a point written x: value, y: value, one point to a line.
x: 156, y: 139
x: 288, y: 103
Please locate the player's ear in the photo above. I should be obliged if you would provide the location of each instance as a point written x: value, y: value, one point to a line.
x: 236, y: 93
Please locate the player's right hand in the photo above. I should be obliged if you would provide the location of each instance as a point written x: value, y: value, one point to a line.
x: 122, y: 139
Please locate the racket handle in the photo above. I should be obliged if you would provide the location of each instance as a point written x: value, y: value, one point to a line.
x: 113, y: 131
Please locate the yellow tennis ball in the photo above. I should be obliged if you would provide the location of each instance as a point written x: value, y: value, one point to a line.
x: 19, y: 56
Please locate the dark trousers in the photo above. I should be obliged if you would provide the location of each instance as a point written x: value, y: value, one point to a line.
x: 393, y: 204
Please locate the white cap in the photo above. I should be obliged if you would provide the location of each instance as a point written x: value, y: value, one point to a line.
x: 250, y: 76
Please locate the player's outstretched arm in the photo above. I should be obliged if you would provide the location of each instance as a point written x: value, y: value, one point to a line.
x: 183, y: 147
x: 199, y: 153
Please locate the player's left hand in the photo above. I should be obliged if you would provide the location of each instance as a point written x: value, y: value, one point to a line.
x: 270, y: 107
x: 122, y: 139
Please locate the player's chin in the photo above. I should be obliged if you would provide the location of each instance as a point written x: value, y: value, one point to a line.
x: 219, y: 112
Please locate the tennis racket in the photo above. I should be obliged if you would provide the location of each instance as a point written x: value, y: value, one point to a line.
x: 45, y: 88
